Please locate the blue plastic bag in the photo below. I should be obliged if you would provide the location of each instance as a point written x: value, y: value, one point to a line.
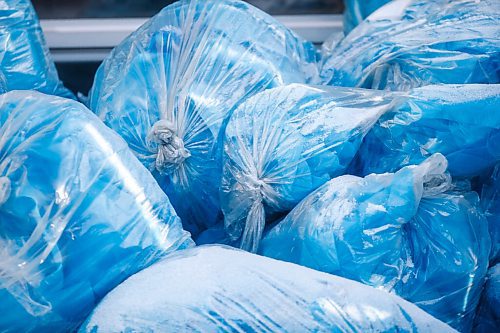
x: 357, y: 10
x: 168, y: 88
x: 78, y: 213
x: 488, y: 316
x: 282, y: 144
x: 400, y: 232
x: 219, y: 289
x: 413, y: 43
x: 25, y: 62
x: 490, y: 202
x: 461, y: 122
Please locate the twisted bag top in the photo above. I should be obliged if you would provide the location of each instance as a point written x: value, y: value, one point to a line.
x: 168, y: 88
x: 413, y: 43
x: 78, y: 213
x: 283, y: 143
x: 219, y: 289
x: 398, y: 231
x: 25, y: 62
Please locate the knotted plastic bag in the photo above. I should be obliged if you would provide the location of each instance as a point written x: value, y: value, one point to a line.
x: 283, y: 143
x: 490, y: 202
x: 78, y: 213
x: 25, y: 62
x: 488, y: 316
x: 397, y: 231
x: 357, y: 10
x: 413, y: 43
x: 168, y: 88
x: 460, y: 121
x: 219, y: 289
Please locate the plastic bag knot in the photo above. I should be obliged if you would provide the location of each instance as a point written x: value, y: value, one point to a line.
x: 171, y: 151
x: 5, y: 189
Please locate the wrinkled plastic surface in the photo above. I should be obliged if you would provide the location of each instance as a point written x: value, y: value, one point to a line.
x: 490, y: 202
x: 413, y: 43
x: 488, y: 316
x: 78, y: 213
x: 400, y: 232
x: 168, y: 88
x: 219, y: 289
x: 461, y: 122
x: 357, y: 10
x: 282, y: 144
x: 25, y: 62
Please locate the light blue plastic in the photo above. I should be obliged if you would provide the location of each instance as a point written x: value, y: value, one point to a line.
x: 400, y: 232
x: 169, y: 87
x: 413, y: 43
x: 357, y: 10
x: 219, y: 289
x: 282, y: 144
x: 490, y: 202
x: 25, y: 62
x: 461, y: 122
x: 78, y: 213
x: 488, y: 316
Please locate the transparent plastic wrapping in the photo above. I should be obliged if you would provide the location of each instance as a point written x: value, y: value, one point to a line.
x: 219, y: 289
x: 400, y: 232
x: 488, y: 315
x: 168, y: 88
x: 460, y: 121
x: 25, y: 62
x: 78, y: 213
x: 282, y: 144
x: 357, y: 10
x: 412, y: 43
x: 490, y: 202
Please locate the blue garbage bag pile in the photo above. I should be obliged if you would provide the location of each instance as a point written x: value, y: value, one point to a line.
x: 403, y: 232
x: 78, y: 213
x: 216, y: 120
x: 25, y: 62
x: 412, y: 43
x: 242, y: 292
x: 169, y: 87
x: 282, y: 144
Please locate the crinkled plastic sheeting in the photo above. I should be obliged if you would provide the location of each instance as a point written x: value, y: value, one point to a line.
x: 357, y: 10
x: 219, y: 289
x: 282, y: 144
x: 490, y: 202
x: 78, y: 213
x: 401, y: 232
x: 25, y: 62
x: 168, y: 88
x: 488, y: 316
x: 461, y: 122
x: 413, y: 43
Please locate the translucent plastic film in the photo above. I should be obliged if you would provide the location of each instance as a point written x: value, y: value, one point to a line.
x: 282, y: 144
x: 461, y: 122
x: 219, y: 289
x: 413, y: 43
x: 78, y: 213
x: 403, y: 232
x: 490, y: 202
x: 357, y: 10
x: 488, y: 315
x: 25, y: 62
x: 169, y: 87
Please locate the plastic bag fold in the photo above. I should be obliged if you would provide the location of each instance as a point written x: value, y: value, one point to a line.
x: 488, y: 316
x: 357, y: 10
x: 219, y: 289
x: 25, y: 62
x: 460, y: 121
x: 78, y: 213
x: 490, y: 202
x: 282, y: 144
x: 403, y: 232
x: 413, y: 43
x: 169, y: 87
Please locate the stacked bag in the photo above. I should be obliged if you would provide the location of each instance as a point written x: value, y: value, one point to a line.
x: 369, y: 170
